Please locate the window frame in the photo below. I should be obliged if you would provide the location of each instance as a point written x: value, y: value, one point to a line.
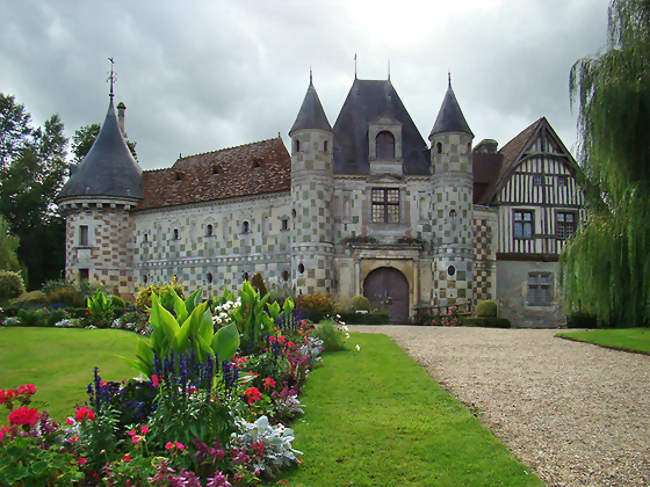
x: 538, y: 281
x: 84, y: 236
x: 384, y: 205
x: 382, y: 139
x: 523, y: 222
x: 573, y: 225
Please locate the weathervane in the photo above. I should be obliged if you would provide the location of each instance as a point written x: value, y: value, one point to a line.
x: 111, y: 77
x: 310, y: 80
x: 389, y: 70
x: 449, y: 77
x: 355, y: 65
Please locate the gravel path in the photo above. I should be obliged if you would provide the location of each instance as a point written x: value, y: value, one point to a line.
x: 576, y: 413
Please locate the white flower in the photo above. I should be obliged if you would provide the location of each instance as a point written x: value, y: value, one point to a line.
x: 345, y: 327
x: 338, y: 316
x: 347, y: 335
x: 357, y: 347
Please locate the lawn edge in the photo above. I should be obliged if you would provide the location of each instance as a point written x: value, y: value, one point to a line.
x: 565, y: 336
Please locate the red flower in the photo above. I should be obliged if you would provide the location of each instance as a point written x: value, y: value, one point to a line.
x: 22, y: 415
x: 281, y: 339
x: 269, y: 382
x: 253, y: 395
x: 155, y: 381
x: 4, y: 431
x: 180, y: 446
x: 82, y: 461
x: 6, y: 396
x: 258, y: 447
x: 27, y: 389
x: 169, y: 445
x: 126, y: 458
x: 291, y: 344
x: 144, y: 429
x: 84, y: 413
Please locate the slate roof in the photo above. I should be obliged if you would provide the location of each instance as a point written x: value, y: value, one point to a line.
x: 108, y: 169
x: 311, y: 114
x: 366, y: 101
x: 450, y: 117
x: 245, y: 170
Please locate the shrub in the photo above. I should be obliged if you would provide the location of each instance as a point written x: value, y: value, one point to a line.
x: 30, y: 299
x: 488, y: 322
x: 68, y: 295
x: 316, y: 305
x: 333, y: 338
x: 31, y: 317
x: 486, y: 309
x: 143, y: 299
x: 359, y: 303
x: 117, y: 303
x: 52, y: 284
x: 376, y: 318
x: 11, y: 285
x: 580, y: 319
x: 258, y: 284
x: 54, y: 316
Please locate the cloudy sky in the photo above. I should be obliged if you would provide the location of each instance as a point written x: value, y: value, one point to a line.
x: 197, y: 76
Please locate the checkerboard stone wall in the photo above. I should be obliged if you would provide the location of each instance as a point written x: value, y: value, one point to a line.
x: 312, y: 186
x: 108, y: 255
x: 452, y: 215
x: 485, y: 234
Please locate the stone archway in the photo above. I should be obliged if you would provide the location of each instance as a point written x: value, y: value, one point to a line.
x: 387, y: 288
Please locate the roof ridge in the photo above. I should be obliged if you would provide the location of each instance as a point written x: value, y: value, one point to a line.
x: 227, y: 148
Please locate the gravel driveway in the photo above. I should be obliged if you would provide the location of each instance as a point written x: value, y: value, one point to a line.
x: 576, y: 413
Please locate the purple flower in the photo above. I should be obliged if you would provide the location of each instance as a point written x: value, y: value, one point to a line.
x: 219, y: 480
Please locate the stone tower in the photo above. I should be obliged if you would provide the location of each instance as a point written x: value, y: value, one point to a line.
x: 96, y: 202
x: 312, y: 185
x: 452, y: 183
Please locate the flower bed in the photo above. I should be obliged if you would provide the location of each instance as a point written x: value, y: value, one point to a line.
x: 207, y: 409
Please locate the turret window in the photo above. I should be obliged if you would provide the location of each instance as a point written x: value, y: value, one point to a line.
x: 385, y: 205
x: 175, y: 234
x: 385, y: 146
x: 83, y: 235
x: 439, y: 148
x: 246, y: 227
x: 325, y: 146
x: 297, y: 145
x: 285, y: 224
x: 209, y: 231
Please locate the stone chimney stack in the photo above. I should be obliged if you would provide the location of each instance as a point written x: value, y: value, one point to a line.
x: 121, y: 108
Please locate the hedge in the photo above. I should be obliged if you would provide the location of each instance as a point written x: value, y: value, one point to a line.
x: 487, y: 322
x: 376, y: 318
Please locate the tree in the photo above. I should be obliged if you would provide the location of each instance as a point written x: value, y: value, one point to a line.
x: 83, y: 140
x: 33, y: 166
x: 606, y: 269
x: 8, y: 246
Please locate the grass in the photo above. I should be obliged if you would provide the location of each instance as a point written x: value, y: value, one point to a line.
x: 629, y: 339
x: 59, y: 362
x: 375, y: 417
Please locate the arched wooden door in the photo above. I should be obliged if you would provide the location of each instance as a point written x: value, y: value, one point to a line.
x: 387, y: 288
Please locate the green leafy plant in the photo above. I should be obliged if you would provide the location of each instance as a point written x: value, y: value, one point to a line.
x: 11, y: 285
x: 316, y: 305
x: 333, y: 338
x: 251, y: 317
x: 144, y: 297
x: 30, y: 299
x: 486, y: 309
x: 68, y: 295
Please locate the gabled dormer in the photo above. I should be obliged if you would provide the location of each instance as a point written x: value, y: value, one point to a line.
x: 385, y: 145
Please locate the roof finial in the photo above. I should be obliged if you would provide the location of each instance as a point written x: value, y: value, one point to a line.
x: 449, y: 77
x: 389, y: 70
x: 310, y: 76
x: 355, y: 65
x: 111, y: 77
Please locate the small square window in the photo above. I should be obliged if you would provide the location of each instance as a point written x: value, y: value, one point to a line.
x: 84, y: 275
x: 565, y: 224
x: 540, y: 288
x: 285, y: 224
x: 538, y: 179
x: 385, y: 205
x: 523, y: 224
x: 563, y: 181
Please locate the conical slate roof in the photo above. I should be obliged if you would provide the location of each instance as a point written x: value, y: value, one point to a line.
x: 450, y: 117
x: 108, y: 169
x: 311, y: 114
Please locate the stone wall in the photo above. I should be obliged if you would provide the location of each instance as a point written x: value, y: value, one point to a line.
x: 485, y: 253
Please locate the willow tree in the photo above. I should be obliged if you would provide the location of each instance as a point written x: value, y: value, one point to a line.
x: 606, y: 267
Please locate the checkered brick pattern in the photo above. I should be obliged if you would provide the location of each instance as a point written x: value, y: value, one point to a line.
x: 484, y: 227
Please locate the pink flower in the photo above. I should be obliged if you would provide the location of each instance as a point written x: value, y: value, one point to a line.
x: 131, y: 433
x: 144, y: 429
x: 269, y: 382
x: 155, y: 381
x: 253, y: 395
x: 24, y: 416
x: 126, y: 458
x: 84, y: 413
x: 169, y: 445
x: 180, y: 446
x: 69, y: 420
x: 82, y: 461
x: 135, y: 438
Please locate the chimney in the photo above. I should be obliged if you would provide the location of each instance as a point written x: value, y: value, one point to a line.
x: 121, y: 107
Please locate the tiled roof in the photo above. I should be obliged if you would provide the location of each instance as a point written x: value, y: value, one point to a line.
x: 251, y: 169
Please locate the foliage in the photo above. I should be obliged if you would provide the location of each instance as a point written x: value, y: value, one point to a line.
x: 31, y: 317
x: 33, y: 168
x: 117, y: 302
x: 190, y: 330
x: 317, y: 306
x: 84, y: 138
x: 270, y: 447
x: 66, y: 294
x: 486, y: 322
x: 143, y: 299
x: 486, y: 309
x: 605, y: 268
x: 359, y: 303
x: 580, y: 319
x: 11, y: 285
x: 333, y: 338
x: 258, y: 284
x: 628, y: 339
x: 373, y: 318
x: 100, y: 309
x: 451, y: 318
x: 31, y: 298
x: 251, y: 318
x: 8, y: 246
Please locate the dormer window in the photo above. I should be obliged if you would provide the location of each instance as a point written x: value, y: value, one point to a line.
x: 257, y: 162
x: 179, y: 176
x: 215, y: 169
x: 385, y: 145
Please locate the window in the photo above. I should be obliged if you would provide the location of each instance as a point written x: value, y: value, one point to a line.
x: 146, y: 237
x: 245, y: 276
x: 208, y: 231
x: 385, y: 205
x: 385, y: 145
x: 325, y: 146
x: 84, y: 275
x: 301, y: 268
x: 523, y: 224
x: 215, y: 169
x: 565, y: 224
x: 451, y: 270
x: 257, y: 162
x: 563, y: 181
x: 179, y: 176
x: 297, y: 145
x: 285, y: 276
x: 285, y: 224
x: 145, y: 278
x: 246, y: 227
x: 176, y: 235
x: 439, y: 148
x: 209, y: 277
x: 538, y: 179
x: 83, y: 235
x: 539, y: 288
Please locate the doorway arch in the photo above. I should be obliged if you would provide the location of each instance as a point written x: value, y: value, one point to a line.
x: 387, y: 288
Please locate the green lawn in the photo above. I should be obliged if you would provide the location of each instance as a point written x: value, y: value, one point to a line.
x: 375, y: 417
x: 629, y: 339
x: 59, y: 362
